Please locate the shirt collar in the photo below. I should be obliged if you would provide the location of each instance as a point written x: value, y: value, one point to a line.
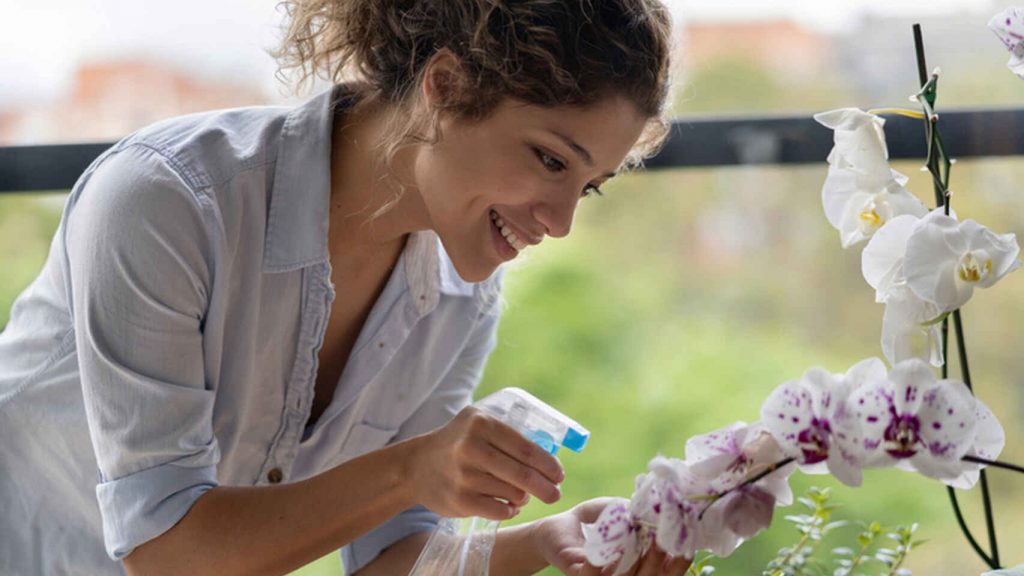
x: 296, y: 233
x: 297, y: 221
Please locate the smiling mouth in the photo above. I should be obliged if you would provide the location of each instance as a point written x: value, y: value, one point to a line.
x: 510, y: 237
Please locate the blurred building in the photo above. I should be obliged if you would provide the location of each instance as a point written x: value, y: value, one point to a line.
x: 109, y: 99
x: 782, y: 47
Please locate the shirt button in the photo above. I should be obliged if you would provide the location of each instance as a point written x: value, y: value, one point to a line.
x: 275, y: 476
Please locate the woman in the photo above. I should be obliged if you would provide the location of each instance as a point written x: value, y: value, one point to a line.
x: 257, y: 331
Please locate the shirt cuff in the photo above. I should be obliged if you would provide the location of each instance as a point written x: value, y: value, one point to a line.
x: 364, y: 550
x: 141, y: 506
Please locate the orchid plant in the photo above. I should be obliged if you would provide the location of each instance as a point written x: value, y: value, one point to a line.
x: 924, y: 265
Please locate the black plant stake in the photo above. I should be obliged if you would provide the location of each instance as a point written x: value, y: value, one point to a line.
x: 938, y: 165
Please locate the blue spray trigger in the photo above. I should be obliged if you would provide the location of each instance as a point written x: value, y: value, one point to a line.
x: 544, y: 440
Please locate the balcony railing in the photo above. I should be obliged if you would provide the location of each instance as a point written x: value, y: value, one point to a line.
x: 694, y: 142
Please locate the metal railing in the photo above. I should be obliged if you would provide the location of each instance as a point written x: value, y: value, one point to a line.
x: 694, y: 142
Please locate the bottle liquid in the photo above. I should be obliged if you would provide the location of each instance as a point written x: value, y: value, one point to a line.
x: 462, y: 546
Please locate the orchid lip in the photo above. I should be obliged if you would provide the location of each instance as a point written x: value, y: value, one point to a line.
x: 902, y: 436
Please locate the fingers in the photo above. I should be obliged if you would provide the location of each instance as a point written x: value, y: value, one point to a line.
x: 511, y: 442
x: 514, y: 472
x: 504, y: 453
x: 677, y: 565
x: 488, y: 485
x: 584, y: 570
x: 487, y: 507
x: 652, y: 563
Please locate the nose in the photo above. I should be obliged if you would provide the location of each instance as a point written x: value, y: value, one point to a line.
x: 556, y: 213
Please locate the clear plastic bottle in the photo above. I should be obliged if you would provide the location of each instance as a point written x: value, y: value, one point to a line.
x: 462, y: 546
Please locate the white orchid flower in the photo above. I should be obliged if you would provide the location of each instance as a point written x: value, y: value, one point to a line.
x: 862, y: 192
x: 1009, y: 27
x: 911, y: 328
x: 919, y: 422
x: 946, y: 259
x: 881, y: 261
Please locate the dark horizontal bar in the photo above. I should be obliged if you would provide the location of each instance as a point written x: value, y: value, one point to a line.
x: 48, y: 167
x: 694, y: 142
x: 801, y: 140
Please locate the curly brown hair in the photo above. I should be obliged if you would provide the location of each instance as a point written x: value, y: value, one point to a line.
x: 542, y: 52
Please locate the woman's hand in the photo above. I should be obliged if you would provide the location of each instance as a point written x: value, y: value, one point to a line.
x: 478, y: 466
x: 559, y: 539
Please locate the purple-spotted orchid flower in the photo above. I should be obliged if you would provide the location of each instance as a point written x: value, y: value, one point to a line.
x: 729, y: 456
x: 810, y: 420
x: 989, y: 439
x: 917, y: 422
x: 861, y: 191
x: 721, y: 461
x: 615, y: 537
x: 681, y: 494
x: 1008, y: 25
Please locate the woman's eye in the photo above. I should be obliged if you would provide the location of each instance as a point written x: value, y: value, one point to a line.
x: 549, y: 161
x: 591, y: 190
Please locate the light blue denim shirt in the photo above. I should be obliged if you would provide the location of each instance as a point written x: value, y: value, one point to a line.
x: 169, y: 344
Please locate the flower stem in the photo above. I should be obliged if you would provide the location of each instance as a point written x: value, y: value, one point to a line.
x: 986, y: 497
x: 940, y: 184
x: 967, y: 531
x: 771, y: 468
x: 995, y: 463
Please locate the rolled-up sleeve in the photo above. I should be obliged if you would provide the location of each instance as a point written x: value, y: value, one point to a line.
x: 139, y: 259
x: 454, y: 393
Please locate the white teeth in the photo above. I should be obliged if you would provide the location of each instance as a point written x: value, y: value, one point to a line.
x: 507, y: 233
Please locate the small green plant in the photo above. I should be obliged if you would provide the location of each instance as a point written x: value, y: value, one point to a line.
x: 700, y: 566
x: 798, y: 559
x: 877, y: 550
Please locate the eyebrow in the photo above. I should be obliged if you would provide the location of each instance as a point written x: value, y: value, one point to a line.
x: 580, y: 150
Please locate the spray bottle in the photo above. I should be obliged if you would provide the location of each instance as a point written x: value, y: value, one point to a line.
x: 462, y: 546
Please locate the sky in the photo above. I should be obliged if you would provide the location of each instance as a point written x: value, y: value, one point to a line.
x: 41, y: 42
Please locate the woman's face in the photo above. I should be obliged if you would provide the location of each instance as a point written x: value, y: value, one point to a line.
x: 493, y: 187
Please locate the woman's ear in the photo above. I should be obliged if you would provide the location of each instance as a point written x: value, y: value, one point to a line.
x: 442, y: 79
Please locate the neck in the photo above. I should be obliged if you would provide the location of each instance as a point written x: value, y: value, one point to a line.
x: 361, y: 186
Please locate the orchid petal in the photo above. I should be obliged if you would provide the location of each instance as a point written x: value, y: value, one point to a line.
x: 947, y: 414
x: 882, y: 259
x: 844, y: 470
x: 711, y: 532
x: 1008, y: 25
x: 910, y: 379
x: 748, y: 511
x: 933, y: 250
x: 869, y: 405
x: 989, y: 439
x: 675, y: 525
x: 909, y: 328
x: 611, y: 536
x: 1002, y: 251
x: 715, y: 443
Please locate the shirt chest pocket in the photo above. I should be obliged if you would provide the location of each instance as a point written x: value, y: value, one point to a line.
x: 364, y: 438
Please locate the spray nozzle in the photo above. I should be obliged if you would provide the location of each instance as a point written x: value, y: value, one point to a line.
x: 533, y: 418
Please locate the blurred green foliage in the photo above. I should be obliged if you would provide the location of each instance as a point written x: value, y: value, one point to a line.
x: 683, y: 297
